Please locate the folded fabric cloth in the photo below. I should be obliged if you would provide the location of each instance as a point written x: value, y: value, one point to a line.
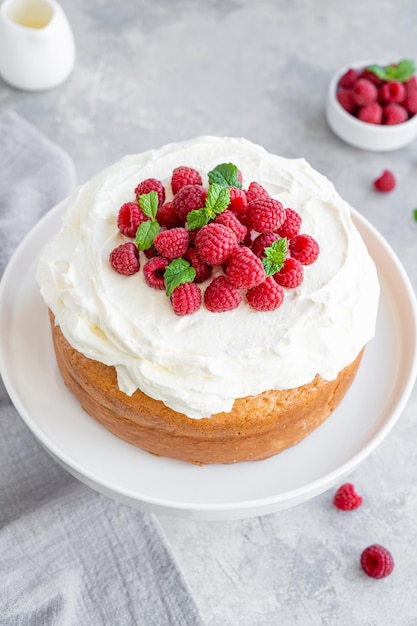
x: 68, y: 555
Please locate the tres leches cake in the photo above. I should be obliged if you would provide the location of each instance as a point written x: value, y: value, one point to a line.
x: 209, y: 301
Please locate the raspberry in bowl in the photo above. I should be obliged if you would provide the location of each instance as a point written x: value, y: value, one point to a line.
x: 373, y: 106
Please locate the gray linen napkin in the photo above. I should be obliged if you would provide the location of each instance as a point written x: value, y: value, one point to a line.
x: 68, y: 556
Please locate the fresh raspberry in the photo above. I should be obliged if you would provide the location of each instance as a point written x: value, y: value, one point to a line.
x: 154, y: 271
x: 265, y: 214
x: 203, y: 270
x: 221, y: 296
x: 370, y: 113
x: 349, y: 78
x: 267, y: 296
x: 244, y: 269
x: 291, y: 225
x: 263, y: 241
x: 172, y: 243
x: 151, y: 184
x: 394, y: 114
x: 392, y: 91
x: 304, y: 248
x: 290, y: 275
x: 386, y: 182
x: 377, y: 561
x: 364, y: 92
x: 346, y: 498
x: 346, y: 100
x: 186, y: 299
x: 166, y: 216
x: 238, y: 203
x: 215, y: 243
x: 410, y: 102
x: 229, y: 219
x: 125, y: 259
x: 411, y: 84
x: 187, y: 199
x: 129, y: 218
x: 182, y: 176
x: 255, y: 191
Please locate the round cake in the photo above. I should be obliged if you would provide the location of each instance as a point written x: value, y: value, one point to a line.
x: 180, y: 316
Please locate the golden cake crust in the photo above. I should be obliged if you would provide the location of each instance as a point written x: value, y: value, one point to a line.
x: 256, y: 428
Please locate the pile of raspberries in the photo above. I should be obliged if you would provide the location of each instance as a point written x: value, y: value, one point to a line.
x: 239, y: 243
x: 375, y: 100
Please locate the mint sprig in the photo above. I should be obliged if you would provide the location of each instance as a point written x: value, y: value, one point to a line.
x: 415, y: 215
x: 179, y: 271
x: 400, y: 72
x: 148, y: 230
x: 218, y: 199
x: 275, y: 256
x: 226, y: 175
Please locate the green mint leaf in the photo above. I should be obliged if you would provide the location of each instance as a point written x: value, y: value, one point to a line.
x: 275, y: 256
x: 197, y: 218
x: 146, y: 233
x: 415, y: 214
x: 401, y: 71
x: 405, y: 70
x: 218, y: 199
x: 179, y: 271
x: 391, y: 72
x: 148, y: 202
x: 226, y: 175
x: 270, y: 267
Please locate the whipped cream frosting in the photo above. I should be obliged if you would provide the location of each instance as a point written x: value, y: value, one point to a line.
x: 199, y: 364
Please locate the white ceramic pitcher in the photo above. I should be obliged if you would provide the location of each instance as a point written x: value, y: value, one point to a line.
x: 37, y: 48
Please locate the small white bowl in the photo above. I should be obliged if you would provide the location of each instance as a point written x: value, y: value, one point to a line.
x: 375, y: 137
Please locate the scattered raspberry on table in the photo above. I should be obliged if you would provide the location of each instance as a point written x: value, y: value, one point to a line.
x: 385, y: 182
x: 346, y: 498
x: 377, y: 561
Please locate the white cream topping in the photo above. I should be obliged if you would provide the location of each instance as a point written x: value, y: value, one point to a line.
x: 200, y: 363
